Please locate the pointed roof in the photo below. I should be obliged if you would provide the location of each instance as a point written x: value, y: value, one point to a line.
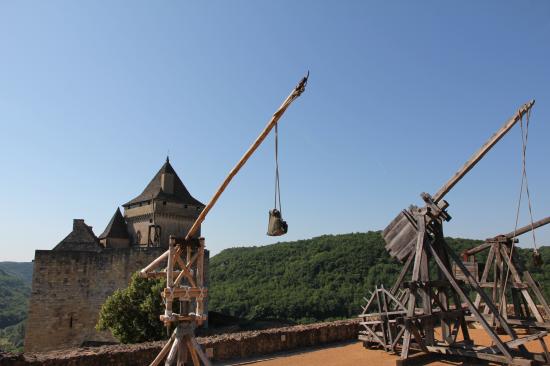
x: 82, y: 238
x: 116, y: 228
x: 154, y: 189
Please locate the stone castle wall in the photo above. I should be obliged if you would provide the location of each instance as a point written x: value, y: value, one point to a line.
x: 68, y: 290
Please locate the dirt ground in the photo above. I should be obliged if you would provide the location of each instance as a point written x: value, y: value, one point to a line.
x: 353, y: 353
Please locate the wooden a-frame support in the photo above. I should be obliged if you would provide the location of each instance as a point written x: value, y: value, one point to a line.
x: 186, y: 261
x: 511, y: 280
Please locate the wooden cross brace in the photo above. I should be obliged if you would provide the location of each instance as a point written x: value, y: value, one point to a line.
x: 185, y: 283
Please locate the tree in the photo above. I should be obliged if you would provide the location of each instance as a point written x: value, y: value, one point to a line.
x: 132, y: 313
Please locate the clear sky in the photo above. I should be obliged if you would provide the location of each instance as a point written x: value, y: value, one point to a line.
x: 93, y: 94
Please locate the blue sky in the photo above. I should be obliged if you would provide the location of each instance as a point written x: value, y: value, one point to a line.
x: 94, y: 93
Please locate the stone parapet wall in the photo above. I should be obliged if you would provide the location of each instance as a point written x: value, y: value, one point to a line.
x: 220, y: 347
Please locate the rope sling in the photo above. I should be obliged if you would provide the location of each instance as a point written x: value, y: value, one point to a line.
x: 277, y: 226
x: 537, y: 259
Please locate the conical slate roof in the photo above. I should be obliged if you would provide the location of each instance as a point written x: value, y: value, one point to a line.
x: 154, y: 189
x: 82, y: 238
x: 116, y: 228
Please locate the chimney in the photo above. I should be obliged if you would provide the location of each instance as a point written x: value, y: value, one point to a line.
x: 77, y: 223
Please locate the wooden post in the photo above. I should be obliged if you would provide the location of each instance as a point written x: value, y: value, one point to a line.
x: 421, y: 222
x: 525, y: 229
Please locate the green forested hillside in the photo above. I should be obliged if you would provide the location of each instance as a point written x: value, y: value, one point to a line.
x: 307, y: 280
x: 316, y: 279
x: 12, y: 337
x: 14, y: 294
x: 22, y: 270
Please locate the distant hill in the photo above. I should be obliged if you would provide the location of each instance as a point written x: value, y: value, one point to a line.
x: 12, y: 337
x: 317, y: 279
x: 14, y: 295
x: 15, y: 289
x: 23, y: 270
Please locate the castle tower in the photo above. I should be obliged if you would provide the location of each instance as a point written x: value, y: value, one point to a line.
x: 164, y: 208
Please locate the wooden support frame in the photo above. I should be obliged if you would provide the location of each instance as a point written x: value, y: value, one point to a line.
x: 519, y: 286
x: 185, y: 286
x: 416, y: 235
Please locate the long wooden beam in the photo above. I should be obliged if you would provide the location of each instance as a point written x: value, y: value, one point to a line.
x: 528, y: 227
x: 298, y: 90
x: 482, y: 151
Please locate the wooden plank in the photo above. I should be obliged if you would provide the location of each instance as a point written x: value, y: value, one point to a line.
x: 397, y: 220
x: 192, y: 352
x: 421, y: 223
x: 401, y: 241
x: 386, y: 325
x: 164, y: 350
x: 480, y: 355
x: 538, y: 293
x: 406, y: 250
x: 402, y: 274
x: 526, y: 339
x: 529, y: 227
x: 173, y: 352
x: 426, y: 294
x: 486, y: 269
x: 477, y: 249
x: 154, y: 264
x: 186, y: 293
x: 400, y: 223
x: 378, y: 301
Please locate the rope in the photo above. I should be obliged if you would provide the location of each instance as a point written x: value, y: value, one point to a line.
x: 277, y: 184
x: 524, y: 183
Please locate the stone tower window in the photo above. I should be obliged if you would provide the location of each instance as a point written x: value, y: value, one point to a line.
x: 71, y: 322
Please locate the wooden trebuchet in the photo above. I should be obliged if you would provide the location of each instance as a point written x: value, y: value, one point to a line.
x: 416, y: 238
x: 510, y: 280
x: 186, y: 290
